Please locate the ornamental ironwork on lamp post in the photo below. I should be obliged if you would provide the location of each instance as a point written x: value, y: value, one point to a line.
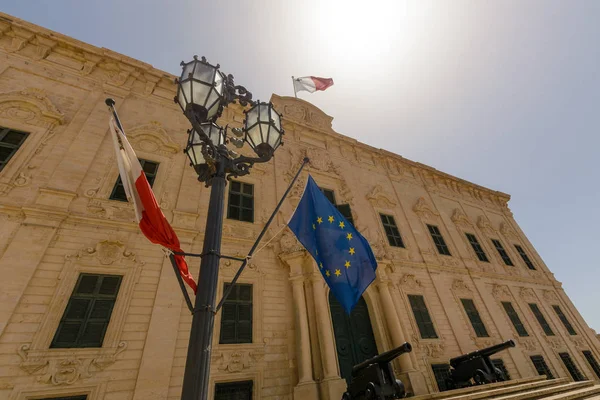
x: 202, y: 93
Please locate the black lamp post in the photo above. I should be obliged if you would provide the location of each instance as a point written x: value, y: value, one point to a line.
x: 202, y: 93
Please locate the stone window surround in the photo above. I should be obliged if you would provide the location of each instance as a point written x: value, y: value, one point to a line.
x: 258, y: 201
x: 255, y: 375
x: 415, y: 327
x: 382, y: 227
x: 468, y: 320
x: 94, y: 391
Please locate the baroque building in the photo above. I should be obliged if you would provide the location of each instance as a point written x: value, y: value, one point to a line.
x: 89, y: 309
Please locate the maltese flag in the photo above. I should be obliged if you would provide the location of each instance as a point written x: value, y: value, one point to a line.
x: 148, y: 215
x: 311, y: 83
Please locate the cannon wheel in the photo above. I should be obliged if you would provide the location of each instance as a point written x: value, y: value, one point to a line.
x: 479, y: 377
x: 370, y: 393
x: 346, y: 396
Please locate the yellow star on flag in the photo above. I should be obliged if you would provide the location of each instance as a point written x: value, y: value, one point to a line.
x: 320, y: 220
x: 330, y: 219
x: 321, y: 265
x: 352, y: 251
x: 342, y: 224
x: 338, y: 272
x: 349, y: 236
x: 314, y: 226
x: 347, y: 264
x: 327, y: 273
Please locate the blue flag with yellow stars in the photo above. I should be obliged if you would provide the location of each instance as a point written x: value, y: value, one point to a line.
x: 343, y: 255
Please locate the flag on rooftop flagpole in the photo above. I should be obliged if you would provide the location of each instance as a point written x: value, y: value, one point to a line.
x: 311, y: 83
x: 150, y: 218
x: 343, y: 255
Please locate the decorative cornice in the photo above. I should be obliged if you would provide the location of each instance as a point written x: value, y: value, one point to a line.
x: 424, y: 210
x: 106, y: 252
x: 461, y: 219
x: 379, y: 198
x: 30, y: 105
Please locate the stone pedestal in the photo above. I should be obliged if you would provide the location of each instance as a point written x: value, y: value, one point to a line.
x: 306, y: 390
x: 332, y: 388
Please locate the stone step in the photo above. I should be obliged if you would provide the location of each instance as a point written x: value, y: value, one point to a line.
x: 506, y: 390
x: 548, y: 391
x: 475, y: 389
x: 585, y: 393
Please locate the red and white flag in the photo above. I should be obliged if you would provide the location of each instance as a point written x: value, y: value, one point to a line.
x: 311, y: 83
x: 152, y: 221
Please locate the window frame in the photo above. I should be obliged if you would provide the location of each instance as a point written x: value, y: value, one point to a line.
x: 392, y: 226
x: 514, y: 318
x: 593, y: 363
x: 441, y: 372
x: 565, y: 321
x: 477, y: 248
x: 119, y: 182
x: 537, y: 313
x: 239, y: 206
x: 525, y: 257
x: 4, y: 131
x: 571, y: 367
x: 249, y: 382
x: 432, y: 333
x: 538, y: 361
x: 502, y: 252
x: 478, y: 326
x: 440, y: 244
x: 499, y: 363
x: 237, y: 302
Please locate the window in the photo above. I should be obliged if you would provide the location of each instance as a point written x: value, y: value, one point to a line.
x: 477, y: 247
x: 329, y: 194
x: 10, y: 141
x: 441, y: 372
x: 502, y: 252
x: 592, y: 361
x: 344, y: 209
x: 540, y: 317
x: 236, y: 317
x: 442, y: 248
x: 564, y: 320
x: 514, y: 318
x: 571, y: 367
x: 241, y: 201
x: 422, y: 317
x: 150, y: 168
x: 498, y: 363
x: 88, y: 312
x: 541, y: 367
x: 524, y: 257
x: 234, y: 391
x: 391, y: 230
x: 474, y: 317
x: 82, y: 397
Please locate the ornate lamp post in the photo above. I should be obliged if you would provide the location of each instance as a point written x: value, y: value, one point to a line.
x: 202, y: 93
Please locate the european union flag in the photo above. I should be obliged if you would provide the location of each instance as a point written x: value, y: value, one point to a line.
x: 343, y: 255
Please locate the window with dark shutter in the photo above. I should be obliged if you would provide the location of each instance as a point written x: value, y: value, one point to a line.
x: 88, y: 312
x: 564, y: 320
x: 540, y: 317
x: 592, y: 361
x: 391, y: 230
x: 329, y: 194
x: 82, y: 397
x: 499, y: 363
x: 477, y: 247
x: 502, y: 252
x: 234, y: 391
x: 541, y: 367
x: 422, y: 317
x: 474, y: 317
x: 438, y: 239
x: 571, y: 367
x: 344, y: 209
x: 441, y: 372
x: 514, y: 318
x: 524, y: 256
x: 10, y: 142
x: 241, y: 201
x: 236, y: 317
x: 150, y: 169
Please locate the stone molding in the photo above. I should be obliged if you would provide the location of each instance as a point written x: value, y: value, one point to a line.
x: 461, y: 219
x: 31, y: 106
x: 106, y: 252
x: 379, y: 198
x: 410, y: 282
x: 234, y: 361
x: 424, y: 209
x: 153, y: 138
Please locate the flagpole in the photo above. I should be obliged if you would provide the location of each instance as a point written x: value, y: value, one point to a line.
x: 295, y: 94
x: 111, y: 107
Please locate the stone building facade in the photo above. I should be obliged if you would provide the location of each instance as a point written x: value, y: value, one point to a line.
x: 443, y: 283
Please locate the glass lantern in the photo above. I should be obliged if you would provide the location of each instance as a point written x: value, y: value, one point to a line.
x: 200, y: 88
x: 263, y: 129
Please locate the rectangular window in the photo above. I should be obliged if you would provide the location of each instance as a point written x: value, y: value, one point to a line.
x: 592, y: 361
x: 514, y: 318
x: 422, y: 317
x: 571, y: 367
x: 540, y: 317
x: 344, y: 209
x: 234, y: 391
x: 241, y: 201
x: 499, y: 363
x: 541, y: 367
x: 10, y: 142
x: 502, y: 252
x: 477, y: 247
x: 150, y: 169
x: 564, y: 320
x: 88, y: 312
x: 329, y: 194
x: 474, y: 317
x: 391, y: 230
x: 524, y: 257
x: 236, y: 317
x: 441, y: 372
x: 438, y: 239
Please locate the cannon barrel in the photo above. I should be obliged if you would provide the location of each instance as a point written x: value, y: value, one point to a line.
x: 382, y: 358
x: 488, y: 351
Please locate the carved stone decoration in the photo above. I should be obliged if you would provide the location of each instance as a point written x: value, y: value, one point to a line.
x: 31, y: 106
x: 424, y: 210
x: 379, y: 198
x: 153, y: 138
x: 550, y: 295
x: 461, y: 219
x: 232, y: 266
x: 528, y: 344
x: 288, y: 243
x: 482, y: 343
x: 303, y: 112
x: 431, y: 349
x: 527, y: 294
x: 485, y: 225
x: 111, y: 210
x: 579, y: 342
x: 410, y: 281
x: 237, y: 360
x: 66, y: 367
x: 554, y: 343
x: 501, y: 292
x: 107, y: 252
x: 459, y: 286
x: 507, y: 231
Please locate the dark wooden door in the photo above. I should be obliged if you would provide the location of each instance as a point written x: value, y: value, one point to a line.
x: 354, y: 337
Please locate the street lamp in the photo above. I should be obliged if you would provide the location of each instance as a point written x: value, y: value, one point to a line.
x: 202, y: 93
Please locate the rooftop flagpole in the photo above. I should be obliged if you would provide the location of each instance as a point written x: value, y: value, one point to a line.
x: 295, y: 94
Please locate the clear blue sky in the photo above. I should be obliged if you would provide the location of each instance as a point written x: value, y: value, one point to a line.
x: 502, y: 93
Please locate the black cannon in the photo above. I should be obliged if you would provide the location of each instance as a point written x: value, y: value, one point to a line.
x: 374, y: 378
x: 476, y: 367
